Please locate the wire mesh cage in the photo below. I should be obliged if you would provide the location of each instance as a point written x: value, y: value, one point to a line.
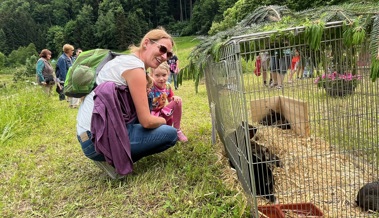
x: 299, y: 125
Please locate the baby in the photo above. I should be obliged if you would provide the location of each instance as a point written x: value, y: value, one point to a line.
x: 164, y: 103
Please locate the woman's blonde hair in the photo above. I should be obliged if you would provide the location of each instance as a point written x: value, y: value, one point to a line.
x: 149, y: 81
x: 155, y: 35
x: 67, y: 48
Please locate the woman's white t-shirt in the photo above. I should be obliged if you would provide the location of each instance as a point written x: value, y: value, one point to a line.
x: 111, y: 72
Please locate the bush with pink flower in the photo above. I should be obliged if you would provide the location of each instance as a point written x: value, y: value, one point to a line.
x: 338, y: 84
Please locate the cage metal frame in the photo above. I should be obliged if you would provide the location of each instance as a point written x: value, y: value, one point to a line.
x: 229, y: 94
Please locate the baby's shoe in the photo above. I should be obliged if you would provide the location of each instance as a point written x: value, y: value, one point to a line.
x: 181, y: 136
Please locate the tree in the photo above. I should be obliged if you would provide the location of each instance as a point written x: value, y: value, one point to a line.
x: 19, y: 56
x: 203, y: 14
x: 19, y: 29
x: 55, y: 40
x: 122, y: 37
x: 81, y: 31
x: 3, y: 40
x: 135, y: 29
x: 106, y: 30
x: 2, y: 60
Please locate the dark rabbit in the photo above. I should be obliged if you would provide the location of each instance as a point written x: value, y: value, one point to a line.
x: 265, y: 155
x: 252, y: 129
x: 263, y: 162
x: 275, y: 119
x: 237, y: 137
x: 368, y: 197
x: 264, y: 179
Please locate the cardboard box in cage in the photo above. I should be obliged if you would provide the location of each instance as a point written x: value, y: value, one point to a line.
x: 295, y: 111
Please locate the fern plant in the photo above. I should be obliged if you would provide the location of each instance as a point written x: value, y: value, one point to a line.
x: 358, y: 18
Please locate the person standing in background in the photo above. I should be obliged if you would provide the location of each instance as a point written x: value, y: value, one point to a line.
x: 77, y: 53
x: 45, y: 72
x: 173, y: 62
x: 64, y: 62
x: 265, y: 65
x: 295, y: 66
x: 75, y: 102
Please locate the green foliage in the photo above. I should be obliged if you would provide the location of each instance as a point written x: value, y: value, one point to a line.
x: 248, y: 66
x: 42, y: 157
x: 3, y: 39
x: 31, y: 65
x: 3, y: 59
x: 177, y: 28
x: 106, y: 28
x: 20, y: 74
x: 19, y: 56
x: 355, y: 31
x: 123, y: 39
x: 85, y: 24
x: 313, y: 34
x: 55, y: 40
x: 203, y: 15
x: 82, y: 30
x: 20, y: 110
x: 232, y: 16
x: 18, y: 26
x: 277, y: 18
x: 133, y: 31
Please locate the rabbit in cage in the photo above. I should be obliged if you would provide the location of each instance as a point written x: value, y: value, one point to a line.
x: 275, y: 119
x: 264, y: 179
x: 265, y: 154
x: 263, y: 162
x: 368, y: 196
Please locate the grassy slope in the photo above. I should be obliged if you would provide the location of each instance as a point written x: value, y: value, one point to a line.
x: 43, y: 172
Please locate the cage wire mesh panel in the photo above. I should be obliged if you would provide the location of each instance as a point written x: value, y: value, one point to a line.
x: 223, y: 95
x: 300, y: 140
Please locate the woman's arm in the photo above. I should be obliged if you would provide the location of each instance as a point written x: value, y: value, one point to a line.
x: 136, y: 80
x: 39, y: 69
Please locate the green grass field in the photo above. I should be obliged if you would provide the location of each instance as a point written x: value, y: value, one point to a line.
x: 44, y: 173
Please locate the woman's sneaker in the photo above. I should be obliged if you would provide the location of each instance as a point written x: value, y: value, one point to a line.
x: 110, y: 170
x: 181, y: 136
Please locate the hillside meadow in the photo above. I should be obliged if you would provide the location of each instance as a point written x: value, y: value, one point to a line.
x: 44, y: 173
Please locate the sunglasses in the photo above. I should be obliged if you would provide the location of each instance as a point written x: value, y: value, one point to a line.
x: 163, y: 49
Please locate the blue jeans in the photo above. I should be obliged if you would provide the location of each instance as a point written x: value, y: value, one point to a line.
x: 143, y: 142
x: 175, y: 76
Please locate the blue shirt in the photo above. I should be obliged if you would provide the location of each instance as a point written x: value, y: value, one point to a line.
x: 63, y: 64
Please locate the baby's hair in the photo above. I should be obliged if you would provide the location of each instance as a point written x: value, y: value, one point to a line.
x: 163, y: 66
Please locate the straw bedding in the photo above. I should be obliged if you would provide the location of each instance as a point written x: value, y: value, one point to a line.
x: 317, y: 172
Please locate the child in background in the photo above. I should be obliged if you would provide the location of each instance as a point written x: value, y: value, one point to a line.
x: 257, y: 70
x: 165, y: 104
x: 295, y: 66
x: 265, y: 67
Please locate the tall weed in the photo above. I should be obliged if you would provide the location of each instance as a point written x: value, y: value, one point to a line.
x: 21, y: 111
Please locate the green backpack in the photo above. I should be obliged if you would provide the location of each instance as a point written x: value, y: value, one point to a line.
x: 81, y: 76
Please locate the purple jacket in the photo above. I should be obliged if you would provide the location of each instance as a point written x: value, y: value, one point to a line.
x: 113, y: 109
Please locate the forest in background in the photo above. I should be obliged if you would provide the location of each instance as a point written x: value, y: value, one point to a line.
x: 28, y: 26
